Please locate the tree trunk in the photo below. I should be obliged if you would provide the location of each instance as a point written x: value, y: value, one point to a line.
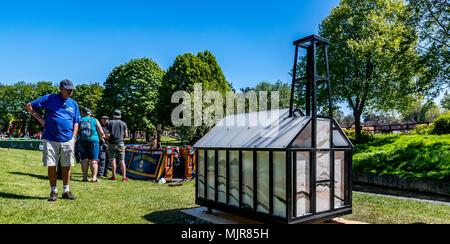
x: 357, y: 116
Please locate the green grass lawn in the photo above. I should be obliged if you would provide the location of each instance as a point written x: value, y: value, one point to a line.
x: 24, y: 189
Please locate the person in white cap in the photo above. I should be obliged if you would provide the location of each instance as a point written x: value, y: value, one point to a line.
x: 116, y: 148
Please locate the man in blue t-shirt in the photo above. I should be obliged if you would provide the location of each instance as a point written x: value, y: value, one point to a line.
x: 60, y: 130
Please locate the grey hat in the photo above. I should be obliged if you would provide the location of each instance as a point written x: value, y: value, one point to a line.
x: 105, y: 117
x: 87, y: 111
x: 67, y: 84
x: 117, y: 114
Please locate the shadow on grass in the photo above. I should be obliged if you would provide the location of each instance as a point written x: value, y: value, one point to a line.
x: 44, y: 177
x: 40, y: 177
x: 19, y: 197
x: 173, y: 216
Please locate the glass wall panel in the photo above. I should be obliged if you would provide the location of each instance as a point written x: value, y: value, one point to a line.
x: 279, y: 183
x: 339, y: 160
x: 210, y: 192
x: 339, y: 140
x: 304, y: 139
x: 201, y: 174
x: 323, y: 133
x: 262, y: 159
x: 247, y: 179
x: 303, y: 196
x: 323, y: 196
x: 222, y: 176
x: 323, y: 188
x: 234, y: 178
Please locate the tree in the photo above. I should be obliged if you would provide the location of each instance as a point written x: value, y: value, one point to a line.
x: 185, y: 72
x: 283, y: 89
x: 133, y: 89
x: 88, y: 96
x: 421, y: 112
x: 373, y: 55
x: 445, y: 102
x: 348, y: 120
x: 44, y: 88
x: 431, y: 20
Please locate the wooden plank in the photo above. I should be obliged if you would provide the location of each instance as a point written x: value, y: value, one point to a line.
x: 217, y: 217
x: 220, y: 217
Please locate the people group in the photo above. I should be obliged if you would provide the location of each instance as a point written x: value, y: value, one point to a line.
x: 68, y: 134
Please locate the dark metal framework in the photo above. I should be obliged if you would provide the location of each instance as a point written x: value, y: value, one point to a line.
x: 310, y: 43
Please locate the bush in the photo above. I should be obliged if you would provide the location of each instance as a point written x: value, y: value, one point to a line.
x: 442, y: 125
x: 365, y: 136
x: 424, y: 129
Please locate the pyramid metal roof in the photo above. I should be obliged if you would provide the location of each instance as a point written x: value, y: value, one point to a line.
x: 263, y: 129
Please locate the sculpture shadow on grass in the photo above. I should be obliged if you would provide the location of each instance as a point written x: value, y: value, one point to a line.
x: 172, y: 216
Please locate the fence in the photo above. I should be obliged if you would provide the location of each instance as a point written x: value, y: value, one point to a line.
x: 388, y: 128
x: 21, y: 144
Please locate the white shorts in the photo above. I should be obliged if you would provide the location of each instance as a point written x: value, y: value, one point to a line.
x: 55, y: 152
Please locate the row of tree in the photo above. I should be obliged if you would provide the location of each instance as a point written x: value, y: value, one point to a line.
x: 385, y: 55
x: 14, y: 97
x: 139, y: 88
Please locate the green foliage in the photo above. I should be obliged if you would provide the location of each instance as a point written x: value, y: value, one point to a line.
x: 187, y: 70
x: 373, y: 55
x: 88, y: 96
x: 442, y: 125
x: 133, y: 89
x: 14, y: 97
x: 365, y: 136
x: 423, y: 129
x: 431, y: 19
x: 282, y: 88
x: 419, y: 156
x: 445, y: 102
x: 421, y: 113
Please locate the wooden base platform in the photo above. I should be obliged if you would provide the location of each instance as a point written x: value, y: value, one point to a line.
x: 220, y: 217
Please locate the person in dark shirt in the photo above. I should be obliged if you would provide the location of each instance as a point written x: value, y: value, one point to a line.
x: 116, y: 148
x: 103, y: 155
x: 60, y: 130
x: 178, y: 164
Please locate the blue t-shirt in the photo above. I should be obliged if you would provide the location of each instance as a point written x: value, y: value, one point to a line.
x: 60, y: 116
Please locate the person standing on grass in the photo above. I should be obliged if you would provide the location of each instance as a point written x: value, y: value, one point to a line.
x: 89, y: 136
x: 58, y: 138
x: 103, y: 154
x: 116, y: 147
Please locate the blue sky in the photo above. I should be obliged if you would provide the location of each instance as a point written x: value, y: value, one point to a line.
x: 84, y: 40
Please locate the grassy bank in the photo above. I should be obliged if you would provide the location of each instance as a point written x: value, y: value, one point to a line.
x: 24, y: 189
x: 419, y: 156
